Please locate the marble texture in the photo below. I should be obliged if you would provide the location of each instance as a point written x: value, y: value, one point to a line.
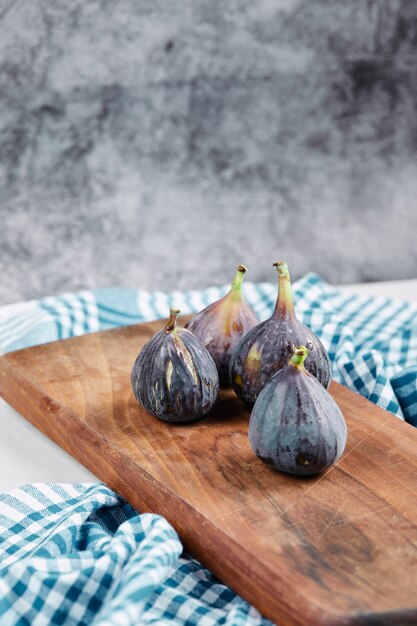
x: 157, y: 144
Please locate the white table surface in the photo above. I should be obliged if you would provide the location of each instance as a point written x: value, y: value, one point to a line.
x: 27, y: 456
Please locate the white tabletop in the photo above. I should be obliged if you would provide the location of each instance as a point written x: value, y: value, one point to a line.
x: 27, y: 456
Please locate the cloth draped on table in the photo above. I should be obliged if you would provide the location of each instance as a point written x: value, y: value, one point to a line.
x: 79, y: 554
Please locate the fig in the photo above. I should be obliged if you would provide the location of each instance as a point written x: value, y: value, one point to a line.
x: 296, y: 426
x: 267, y: 347
x: 221, y: 325
x: 174, y: 377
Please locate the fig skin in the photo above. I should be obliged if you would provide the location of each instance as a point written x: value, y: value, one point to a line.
x: 296, y: 426
x: 174, y: 377
x: 269, y: 345
x: 221, y: 325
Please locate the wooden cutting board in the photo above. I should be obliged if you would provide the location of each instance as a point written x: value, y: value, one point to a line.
x: 338, y: 549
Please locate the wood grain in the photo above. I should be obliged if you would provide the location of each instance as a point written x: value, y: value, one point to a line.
x: 337, y: 549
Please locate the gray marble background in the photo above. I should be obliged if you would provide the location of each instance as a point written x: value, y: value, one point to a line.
x: 158, y: 143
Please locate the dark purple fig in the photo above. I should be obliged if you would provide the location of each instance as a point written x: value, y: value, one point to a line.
x: 295, y: 425
x: 221, y: 325
x: 174, y: 377
x: 268, y: 346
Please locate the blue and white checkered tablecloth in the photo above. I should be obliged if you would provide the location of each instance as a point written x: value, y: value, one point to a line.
x: 79, y: 554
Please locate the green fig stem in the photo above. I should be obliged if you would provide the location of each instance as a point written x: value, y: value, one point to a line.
x: 172, y: 322
x: 299, y: 356
x: 238, y: 279
x: 285, y: 302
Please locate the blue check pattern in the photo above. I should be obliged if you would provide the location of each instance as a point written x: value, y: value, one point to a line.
x: 79, y: 554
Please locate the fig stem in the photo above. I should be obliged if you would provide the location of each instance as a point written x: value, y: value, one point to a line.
x: 285, y: 301
x: 238, y: 279
x: 299, y: 356
x: 172, y: 322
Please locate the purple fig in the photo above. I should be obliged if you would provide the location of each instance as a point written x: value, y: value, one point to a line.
x: 295, y: 425
x: 221, y: 325
x: 174, y: 377
x: 268, y: 346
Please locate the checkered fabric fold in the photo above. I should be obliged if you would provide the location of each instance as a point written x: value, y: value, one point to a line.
x: 79, y: 554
